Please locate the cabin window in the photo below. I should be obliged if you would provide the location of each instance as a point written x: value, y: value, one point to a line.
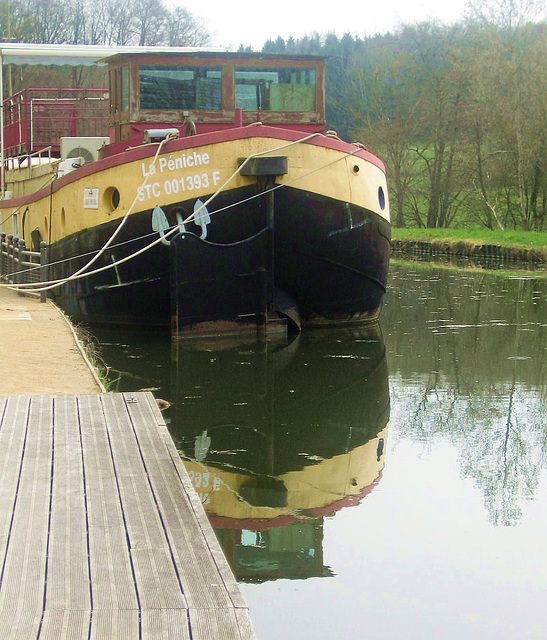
x: 275, y: 89
x: 119, y: 90
x: 177, y: 87
x: 125, y: 88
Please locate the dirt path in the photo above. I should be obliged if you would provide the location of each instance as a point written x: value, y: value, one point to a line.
x: 39, y: 353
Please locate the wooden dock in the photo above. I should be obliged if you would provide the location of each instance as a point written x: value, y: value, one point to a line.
x: 101, y: 533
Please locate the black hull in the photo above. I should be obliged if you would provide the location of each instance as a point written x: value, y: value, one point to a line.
x: 329, y: 257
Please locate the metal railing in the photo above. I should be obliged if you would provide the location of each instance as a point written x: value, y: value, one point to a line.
x: 38, y: 117
x: 35, y: 160
x: 19, y: 265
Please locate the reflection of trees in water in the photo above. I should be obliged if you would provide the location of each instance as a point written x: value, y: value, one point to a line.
x: 504, y: 451
x: 467, y: 355
x: 501, y: 438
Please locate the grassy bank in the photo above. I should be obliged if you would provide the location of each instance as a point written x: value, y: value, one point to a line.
x: 479, y: 237
x: 510, y: 246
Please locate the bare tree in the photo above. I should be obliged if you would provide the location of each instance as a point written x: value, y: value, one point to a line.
x: 112, y: 22
x: 149, y: 17
x: 183, y: 30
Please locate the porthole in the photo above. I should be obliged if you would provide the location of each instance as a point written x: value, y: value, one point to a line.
x: 381, y: 198
x: 356, y: 169
x: 111, y: 199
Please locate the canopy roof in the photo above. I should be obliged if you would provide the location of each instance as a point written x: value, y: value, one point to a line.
x: 75, y: 54
x: 89, y: 55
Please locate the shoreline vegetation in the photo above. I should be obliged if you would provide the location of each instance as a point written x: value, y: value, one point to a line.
x: 517, y: 246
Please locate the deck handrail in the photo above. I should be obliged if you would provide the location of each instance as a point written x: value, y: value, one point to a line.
x: 37, y: 117
x: 11, y: 162
x: 19, y: 265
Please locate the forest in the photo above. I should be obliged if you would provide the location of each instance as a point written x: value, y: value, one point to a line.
x: 458, y: 112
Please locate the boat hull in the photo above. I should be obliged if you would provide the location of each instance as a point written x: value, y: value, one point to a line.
x: 324, y: 235
x: 331, y: 277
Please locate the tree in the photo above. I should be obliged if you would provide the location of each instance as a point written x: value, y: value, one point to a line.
x: 408, y: 92
x: 509, y: 82
x: 149, y: 18
x: 459, y: 115
x: 384, y: 113
x: 49, y: 26
x: 110, y: 22
x: 183, y: 30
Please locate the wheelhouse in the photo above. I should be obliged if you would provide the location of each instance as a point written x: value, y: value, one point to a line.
x: 206, y: 92
x: 196, y: 91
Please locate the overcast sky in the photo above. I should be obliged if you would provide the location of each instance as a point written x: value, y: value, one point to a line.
x: 253, y: 22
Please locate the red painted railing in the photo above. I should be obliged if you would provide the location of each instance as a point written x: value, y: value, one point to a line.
x: 38, y: 118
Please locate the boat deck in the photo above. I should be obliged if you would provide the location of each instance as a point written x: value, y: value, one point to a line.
x: 101, y: 533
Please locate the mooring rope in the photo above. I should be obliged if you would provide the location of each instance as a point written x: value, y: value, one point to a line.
x: 45, y: 286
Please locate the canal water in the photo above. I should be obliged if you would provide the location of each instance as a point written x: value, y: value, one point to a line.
x: 386, y: 482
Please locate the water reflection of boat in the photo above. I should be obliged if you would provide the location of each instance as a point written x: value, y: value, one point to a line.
x: 276, y: 439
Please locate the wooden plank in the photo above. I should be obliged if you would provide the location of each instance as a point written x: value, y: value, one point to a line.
x: 155, y: 572
x: 19, y: 624
x: 13, y: 431
x: 3, y: 403
x: 157, y: 579
x: 244, y: 622
x: 23, y: 577
x: 166, y: 624
x: 212, y: 542
x: 117, y: 624
x: 112, y: 583
x: 15, y: 622
x: 199, y: 513
x: 202, y: 582
x: 177, y: 497
x: 141, y: 514
x: 215, y: 624
x: 59, y: 624
x: 68, y: 579
x: 102, y: 536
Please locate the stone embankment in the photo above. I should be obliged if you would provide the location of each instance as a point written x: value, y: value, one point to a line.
x: 470, y: 249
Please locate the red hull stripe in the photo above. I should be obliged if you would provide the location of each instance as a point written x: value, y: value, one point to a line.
x: 192, y: 142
